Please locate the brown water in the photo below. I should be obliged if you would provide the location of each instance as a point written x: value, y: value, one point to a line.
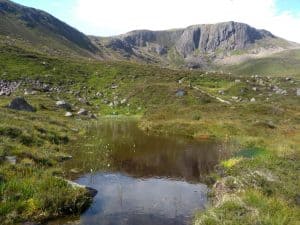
x: 141, y: 179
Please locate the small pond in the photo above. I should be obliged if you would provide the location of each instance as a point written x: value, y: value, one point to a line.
x: 140, y: 178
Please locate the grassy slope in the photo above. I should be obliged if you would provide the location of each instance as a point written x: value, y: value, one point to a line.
x: 42, y: 31
x: 286, y: 63
x: 268, y: 169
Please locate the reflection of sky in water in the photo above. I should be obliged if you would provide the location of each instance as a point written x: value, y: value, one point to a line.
x: 125, y: 200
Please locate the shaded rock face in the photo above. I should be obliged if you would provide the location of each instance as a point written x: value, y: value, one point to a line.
x: 21, y: 104
x: 226, y: 36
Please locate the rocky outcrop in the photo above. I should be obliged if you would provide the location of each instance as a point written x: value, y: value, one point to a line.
x: 7, y: 87
x: 225, y: 36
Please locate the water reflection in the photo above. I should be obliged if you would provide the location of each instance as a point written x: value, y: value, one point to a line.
x: 141, y: 179
x: 126, y: 200
x: 119, y: 146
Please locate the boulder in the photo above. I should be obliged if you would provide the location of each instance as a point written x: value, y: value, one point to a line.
x: 64, y: 105
x: 21, y: 104
x: 91, y: 191
x: 82, y: 112
x: 298, y: 92
x: 68, y: 114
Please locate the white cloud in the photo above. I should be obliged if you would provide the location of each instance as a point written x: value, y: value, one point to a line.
x: 108, y: 17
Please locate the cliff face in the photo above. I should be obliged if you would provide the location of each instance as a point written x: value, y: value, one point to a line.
x: 194, y: 43
x: 225, y: 36
x: 206, y: 38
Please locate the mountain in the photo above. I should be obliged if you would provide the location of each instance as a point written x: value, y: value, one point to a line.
x: 42, y: 31
x: 197, y: 45
x: 222, y: 46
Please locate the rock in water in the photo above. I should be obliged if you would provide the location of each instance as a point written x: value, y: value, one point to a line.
x: 21, y: 104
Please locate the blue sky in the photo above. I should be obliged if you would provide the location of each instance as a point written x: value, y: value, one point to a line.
x: 111, y: 17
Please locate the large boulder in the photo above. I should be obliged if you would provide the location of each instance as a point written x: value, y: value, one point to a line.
x: 21, y: 104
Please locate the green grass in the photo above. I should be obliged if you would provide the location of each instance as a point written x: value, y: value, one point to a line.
x: 266, y: 163
x: 281, y: 64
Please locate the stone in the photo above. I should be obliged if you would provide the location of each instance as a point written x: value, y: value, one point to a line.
x: 68, y: 114
x: 298, y: 92
x: 221, y: 92
x: 123, y: 101
x: 252, y: 100
x: 75, y: 171
x: 21, y: 104
x: 82, y: 112
x: 92, y: 116
x: 82, y: 100
x: 114, y: 86
x: 29, y: 92
x: 64, y: 105
x: 237, y: 81
x: 180, y: 93
x: 91, y: 191
x: 11, y: 159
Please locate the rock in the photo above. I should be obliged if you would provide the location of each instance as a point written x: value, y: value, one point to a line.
x: 221, y: 92
x: 114, y: 86
x: 21, y: 104
x: 29, y: 92
x: 64, y: 105
x: 252, y: 100
x: 237, y: 81
x: 298, y: 92
x: 82, y: 100
x: 68, y: 114
x: 254, y: 88
x: 82, y: 112
x: 92, y: 116
x: 99, y: 94
x: 235, y: 98
x: 180, y: 93
x: 181, y: 80
x: 11, y: 159
x: 116, y: 103
x: 62, y: 158
x: 91, y: 191
x: 75, y: 171
x: 123, y: 101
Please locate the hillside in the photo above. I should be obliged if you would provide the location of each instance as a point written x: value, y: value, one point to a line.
x: 228, y: 46
x: 39, y: 30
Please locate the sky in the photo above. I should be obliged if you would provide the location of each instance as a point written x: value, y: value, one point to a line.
x: 112, y: 17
